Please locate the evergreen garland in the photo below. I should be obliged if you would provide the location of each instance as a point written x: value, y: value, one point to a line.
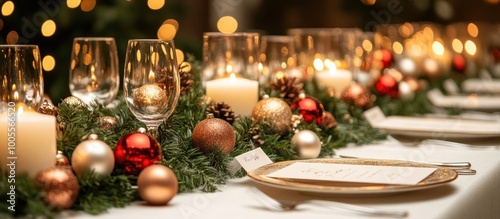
x: 194, y: 169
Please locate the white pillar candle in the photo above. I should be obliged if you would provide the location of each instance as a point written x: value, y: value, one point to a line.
x: 338, y: 80
x: 28, y: 143
x: 241, y: 94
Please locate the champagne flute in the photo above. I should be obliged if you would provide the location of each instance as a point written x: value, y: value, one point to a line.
x: 151, y: 81
x: 21, y: 79
x: 94, y: 73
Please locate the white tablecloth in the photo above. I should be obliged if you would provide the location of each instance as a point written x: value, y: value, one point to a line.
x: 469, y: 196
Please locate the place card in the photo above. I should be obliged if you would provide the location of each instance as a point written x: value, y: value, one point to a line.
x: 253, y: 159
x: 354, y: 173
x: 374, y: 116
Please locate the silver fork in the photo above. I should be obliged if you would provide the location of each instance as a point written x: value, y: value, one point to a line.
x: 457, y: 144
x: 275, y: 205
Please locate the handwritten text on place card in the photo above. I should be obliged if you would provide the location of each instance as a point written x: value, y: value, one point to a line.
x: 354, y: 173
x: 253, y: 159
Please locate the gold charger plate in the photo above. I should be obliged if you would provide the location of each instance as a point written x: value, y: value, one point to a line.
x: 439, y: 177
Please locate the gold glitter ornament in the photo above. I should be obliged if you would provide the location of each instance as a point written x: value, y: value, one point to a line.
x: 93, y: 154
x: 108, y: 123
x: 74, y: 101
x: 276, y: 112
x: 157, y: 184
x: 47, y: 107
x: 307, y: 144
x: 60, y: 186
x: 150, y: 98
x: 214, y: 134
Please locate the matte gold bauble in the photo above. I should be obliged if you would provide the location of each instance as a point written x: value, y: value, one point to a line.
x: 150, y: 98
x: 307, y: 144
x: 214, y: 134
x: 93, y: 154
x: 60, y: 186
x: 157, y: 184
x: 276, y: 112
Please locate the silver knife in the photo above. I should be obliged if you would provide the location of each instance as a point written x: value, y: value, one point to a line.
x: 451, y: 165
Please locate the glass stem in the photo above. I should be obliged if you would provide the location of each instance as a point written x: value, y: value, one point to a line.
x: 153, y: 131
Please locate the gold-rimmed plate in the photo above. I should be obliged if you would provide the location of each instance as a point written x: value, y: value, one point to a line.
x: 439, y: 177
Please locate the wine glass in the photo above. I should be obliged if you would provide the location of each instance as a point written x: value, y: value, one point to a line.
x: 21, y: 79
x: 94, y: 73
x: 151, y: 81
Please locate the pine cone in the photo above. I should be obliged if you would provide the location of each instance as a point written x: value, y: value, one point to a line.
x: 289, y: 88
x: 185, y: 78
x: 254, y: 135
x: 223, y: 111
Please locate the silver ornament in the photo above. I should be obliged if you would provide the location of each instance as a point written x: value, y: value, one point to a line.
x: 307, y: 144
x: 93, y: 154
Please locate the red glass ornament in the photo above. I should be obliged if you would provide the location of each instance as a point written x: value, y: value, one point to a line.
x: 386, y: 58
x: 310, y: 109
x: 136, y: 151
x: 496, y: 54
x: 458, y: 63
x: 387, y: 85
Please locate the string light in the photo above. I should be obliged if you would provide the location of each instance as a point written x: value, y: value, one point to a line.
x: 172, y: 22
x: 87, y: 5
x: 180, y: 55
x: 227, y: 24
x: 470, y: 47
x: 156, y: 4
x: 7, y: 8
x: 472, y: 30
x: 457, y: 46
x: 166, y: 32
x: 12, y: 37
x: 48, y: 28
x: 48, y: 63
x: 73, y: 3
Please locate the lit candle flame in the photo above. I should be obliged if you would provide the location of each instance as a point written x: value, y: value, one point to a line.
x: 283, y: 65
x: 93, y: 80
x: 232, y: 76
x: 151, y: 76
x: 229, y: 68
x: 16, y: 95
x: 20, y: 110
x: 318, y: 64
x: 330, y: 65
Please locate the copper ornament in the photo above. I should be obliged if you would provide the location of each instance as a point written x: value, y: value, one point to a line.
x: 214, y: 134
x: 60, y: 186
x: 157, y: 184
